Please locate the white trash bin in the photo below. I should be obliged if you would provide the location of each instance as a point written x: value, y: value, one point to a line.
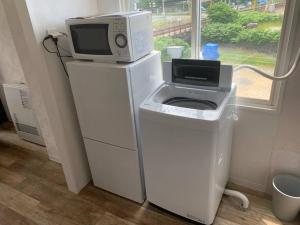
x: 286, y: 197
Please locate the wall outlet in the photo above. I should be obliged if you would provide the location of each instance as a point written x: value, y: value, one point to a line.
x: 55, y: 33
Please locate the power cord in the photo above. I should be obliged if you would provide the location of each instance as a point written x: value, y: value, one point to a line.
x: 270, y: 76
x: 57, y: 52
x: 44, y: 44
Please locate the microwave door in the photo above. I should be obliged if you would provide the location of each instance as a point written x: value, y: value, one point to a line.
x: 91, y: 39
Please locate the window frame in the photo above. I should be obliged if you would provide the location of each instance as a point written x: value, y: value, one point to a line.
x: 283, y: 55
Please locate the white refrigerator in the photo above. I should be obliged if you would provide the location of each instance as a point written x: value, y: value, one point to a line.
x: 107, y: 98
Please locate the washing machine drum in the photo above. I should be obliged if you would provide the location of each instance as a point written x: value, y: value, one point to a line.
x: 191, y: 103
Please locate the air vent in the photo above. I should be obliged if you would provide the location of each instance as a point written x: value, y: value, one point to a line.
x: 27, y: 129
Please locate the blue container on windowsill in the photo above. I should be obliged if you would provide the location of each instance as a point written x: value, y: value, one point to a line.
x: 211, y: 51
x: 262, y: 2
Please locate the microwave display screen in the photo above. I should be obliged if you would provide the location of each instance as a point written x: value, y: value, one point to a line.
x: 90, y: 39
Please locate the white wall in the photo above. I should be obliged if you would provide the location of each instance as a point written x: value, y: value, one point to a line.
x: 28, y: 22
x: 266, y: 144
x: 252, y: 146
x: 72, y: 148
x: 11, y: 72
x: 10, y: 67
x: 52, y: 15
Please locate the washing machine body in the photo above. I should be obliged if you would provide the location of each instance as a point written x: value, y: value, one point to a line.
x: 186, y: 135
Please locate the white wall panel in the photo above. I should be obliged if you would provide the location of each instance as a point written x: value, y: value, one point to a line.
x: 28, y: 22
x: 267, y: 144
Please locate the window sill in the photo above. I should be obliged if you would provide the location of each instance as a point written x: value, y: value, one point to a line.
x: 259, y: 108
x: 264, y: 106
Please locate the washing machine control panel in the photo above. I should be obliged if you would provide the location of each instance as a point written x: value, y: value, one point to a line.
x: 183, y: 112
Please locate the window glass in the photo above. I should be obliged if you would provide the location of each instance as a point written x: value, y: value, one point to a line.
x: 244, y: 32
x: 172, y: 25
x: 233, y: 31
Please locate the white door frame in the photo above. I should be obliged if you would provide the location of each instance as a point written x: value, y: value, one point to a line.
x: 67, y: 135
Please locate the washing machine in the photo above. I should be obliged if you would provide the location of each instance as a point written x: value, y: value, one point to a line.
x: 186, y: 134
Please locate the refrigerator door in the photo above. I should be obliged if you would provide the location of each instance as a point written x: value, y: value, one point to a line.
x: 103, y: 102
x: 115, y: 169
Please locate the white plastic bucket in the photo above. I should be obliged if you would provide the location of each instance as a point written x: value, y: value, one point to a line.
x: 175, y: 52
x: 286, y: 197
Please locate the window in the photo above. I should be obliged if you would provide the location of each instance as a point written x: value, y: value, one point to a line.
x: 172, y: 26
x: 242, y: 31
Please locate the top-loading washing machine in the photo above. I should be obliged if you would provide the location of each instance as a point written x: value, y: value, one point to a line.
x: 186, y: 133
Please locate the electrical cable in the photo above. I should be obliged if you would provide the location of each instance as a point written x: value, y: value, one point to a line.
x: 273, y: 77
x: 52, y: 52
x: 62, y: 62
x: 57, y: 52
x: 65, y: 50
x: 44, y: 44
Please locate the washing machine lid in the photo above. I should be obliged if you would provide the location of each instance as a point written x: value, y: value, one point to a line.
x: 204, y: 73
x: 224, y: 78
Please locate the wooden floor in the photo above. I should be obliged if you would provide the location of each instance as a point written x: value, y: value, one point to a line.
x: 33, y: 191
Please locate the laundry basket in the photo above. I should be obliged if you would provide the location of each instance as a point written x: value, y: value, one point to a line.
x: 286, y: 197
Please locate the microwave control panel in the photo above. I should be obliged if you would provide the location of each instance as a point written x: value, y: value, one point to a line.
x: 120, y: 38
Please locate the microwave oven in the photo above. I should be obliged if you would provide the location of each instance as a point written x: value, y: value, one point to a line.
x: 121, y: 37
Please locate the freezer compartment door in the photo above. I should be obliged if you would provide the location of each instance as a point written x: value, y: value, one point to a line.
x: 115, y: 169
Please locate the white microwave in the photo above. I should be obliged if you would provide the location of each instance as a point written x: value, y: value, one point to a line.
x: 122, y: 37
